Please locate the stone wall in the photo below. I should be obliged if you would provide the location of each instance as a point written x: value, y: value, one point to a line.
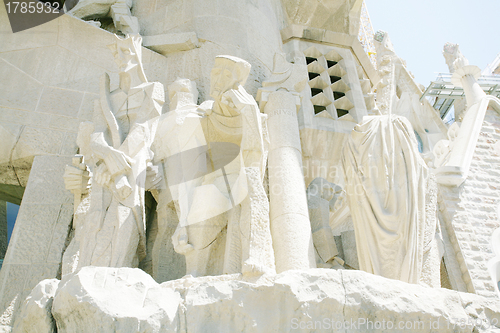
x: 469, y: 210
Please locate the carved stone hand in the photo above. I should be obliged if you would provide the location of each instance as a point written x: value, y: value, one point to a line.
x: 117, y: 162
x: 76, y: 179
x: 239, y: 98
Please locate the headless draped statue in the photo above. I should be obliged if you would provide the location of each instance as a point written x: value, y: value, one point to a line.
x: 386, y: 192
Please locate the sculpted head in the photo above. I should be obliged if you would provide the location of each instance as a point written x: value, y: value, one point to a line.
x: 128, y: 54
x: 182, y: 92
x: 228, y: 72
x: 451, y: 53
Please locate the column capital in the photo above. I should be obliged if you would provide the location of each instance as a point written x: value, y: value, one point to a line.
x: 264, y: 93
x: 287, y: 77
x: 462, y: 72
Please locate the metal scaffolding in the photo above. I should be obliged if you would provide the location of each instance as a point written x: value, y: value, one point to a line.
x: 443, y: 93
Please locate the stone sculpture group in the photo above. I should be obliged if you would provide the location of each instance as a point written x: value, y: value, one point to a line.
x: 227, y: 174
x: 209, y: 162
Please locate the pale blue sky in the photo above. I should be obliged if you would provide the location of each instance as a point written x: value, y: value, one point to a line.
x: 419, y: 29
x: 12, y: 211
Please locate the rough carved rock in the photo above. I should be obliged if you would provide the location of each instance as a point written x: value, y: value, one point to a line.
x: 128, y: 300
x: 114, y: 300
x: 35, y: 314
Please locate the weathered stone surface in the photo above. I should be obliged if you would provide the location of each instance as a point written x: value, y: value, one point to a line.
x: 308, y: 301
x: 115, y: 300
x: 35, y: 313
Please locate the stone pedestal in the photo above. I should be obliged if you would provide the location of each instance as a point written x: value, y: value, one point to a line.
x: 290, y: 226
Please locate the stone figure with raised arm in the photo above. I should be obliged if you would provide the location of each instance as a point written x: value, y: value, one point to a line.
x: 112, y: 232
x: 207, y: 151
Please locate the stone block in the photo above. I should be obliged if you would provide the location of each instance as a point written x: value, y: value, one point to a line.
x: 212, y: 29
x: 37, y: 141
x: 20, y: 92
x: 404, y: 306
x: 9, y: 117
x: 46, y: 185
x: 12, y: 281
x: 69, y: 146
x: 154, y: 24
x: 313, y: 300
x: 63, y: 123
x: 175, y: 13
x: 86, y: 110
x: 60, y: 102
x: 31, y: 236
x: 60, y: 234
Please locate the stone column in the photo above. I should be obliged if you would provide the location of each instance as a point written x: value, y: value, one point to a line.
x: 456, y: 169
x: 290, y: 226
x: 466, y: 76
x: 451, y: 52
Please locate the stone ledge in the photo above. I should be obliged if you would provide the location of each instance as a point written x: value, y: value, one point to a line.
x: 169, y: 43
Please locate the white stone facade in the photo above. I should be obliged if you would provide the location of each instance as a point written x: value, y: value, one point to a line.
x: 268, y: 238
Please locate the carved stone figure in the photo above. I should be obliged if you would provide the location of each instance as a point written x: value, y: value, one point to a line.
x: 386, y: 191
x: 454, y: 156
x: 207, y: 152
x: 118, y: 154
x: 451, y: 52
x: 119, y: 10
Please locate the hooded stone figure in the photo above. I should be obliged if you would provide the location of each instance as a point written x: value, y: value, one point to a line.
x: 385, y: 180
x: 214, y: 157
